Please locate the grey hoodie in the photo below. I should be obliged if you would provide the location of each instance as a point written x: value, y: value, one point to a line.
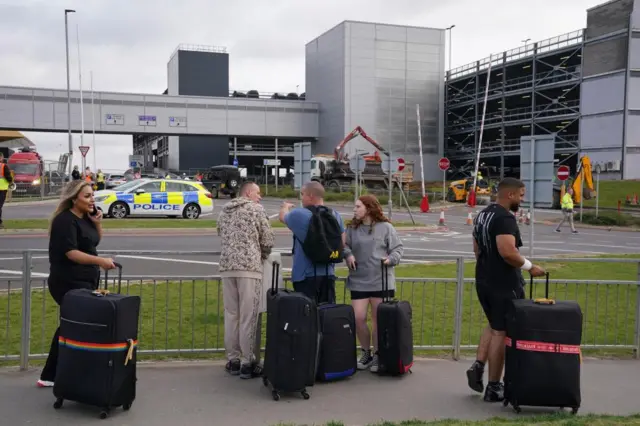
x: 369, y: 248
x: 246, y: 238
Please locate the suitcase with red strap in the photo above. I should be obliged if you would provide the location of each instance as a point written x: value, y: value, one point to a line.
x: 543, y: 358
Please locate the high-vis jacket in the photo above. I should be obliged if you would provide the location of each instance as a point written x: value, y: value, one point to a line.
x: 4, y: 182
x: 567, y: 202
x: 100, y: 178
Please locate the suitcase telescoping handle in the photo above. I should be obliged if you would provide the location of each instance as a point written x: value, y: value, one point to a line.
x: 546, y: 287
x: 275, y: 276
x: 385, y: 281
x: 106, y: 277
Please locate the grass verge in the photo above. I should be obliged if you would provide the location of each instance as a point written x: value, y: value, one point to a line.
x: 608, y: 219
x: 552, y: 419
x: 612, y: 191
x: 189, y: 314
x: 150, y: 224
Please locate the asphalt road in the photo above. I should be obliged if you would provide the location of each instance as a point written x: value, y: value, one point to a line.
x: 454, y: 240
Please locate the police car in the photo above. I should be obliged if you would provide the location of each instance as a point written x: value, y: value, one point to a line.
x: 155, y: 197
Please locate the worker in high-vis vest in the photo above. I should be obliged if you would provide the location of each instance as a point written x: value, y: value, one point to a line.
x: 566, y: 202
x: 100, y: 180
x: 6, y: 179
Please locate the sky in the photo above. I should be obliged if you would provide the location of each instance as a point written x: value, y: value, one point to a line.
x: 126, y: 44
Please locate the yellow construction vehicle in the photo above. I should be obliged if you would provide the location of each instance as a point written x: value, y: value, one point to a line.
x: 459, y: 189
x: 583, y: 175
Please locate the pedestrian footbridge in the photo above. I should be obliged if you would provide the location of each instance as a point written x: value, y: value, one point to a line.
x: 42, y: 109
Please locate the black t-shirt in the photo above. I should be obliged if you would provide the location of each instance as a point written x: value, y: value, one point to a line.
x: 69, y: 232
x: 491, y: 269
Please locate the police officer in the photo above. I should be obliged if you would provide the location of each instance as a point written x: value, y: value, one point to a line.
x: 75, y: 174
x: 100, y: 180
x: 6, y: 179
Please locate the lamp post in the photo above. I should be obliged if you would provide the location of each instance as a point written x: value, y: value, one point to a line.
x: 66, y: 34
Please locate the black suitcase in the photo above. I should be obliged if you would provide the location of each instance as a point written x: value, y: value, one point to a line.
x: 97, y: 353
x: 543, y: 357
x: 395, y: 333
x: 291, y: 351
x: 337, y: 353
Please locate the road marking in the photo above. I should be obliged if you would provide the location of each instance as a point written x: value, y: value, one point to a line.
x: 33, y: 274
x: 273, y: 216
x: 567, y: 251
x: 438, y: 251
x: 164, y: 259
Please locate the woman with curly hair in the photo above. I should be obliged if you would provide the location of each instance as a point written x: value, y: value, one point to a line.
x: 371, y: 239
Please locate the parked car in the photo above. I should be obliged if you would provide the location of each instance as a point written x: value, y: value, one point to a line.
x: 113, y: 180
x: 224, y: 180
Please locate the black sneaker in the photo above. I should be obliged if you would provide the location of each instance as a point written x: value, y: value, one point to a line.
x: 474, y: 377
x: 365, y: 360
x: 233, y: 367
x: 494, y: 393
x: 250, y: 371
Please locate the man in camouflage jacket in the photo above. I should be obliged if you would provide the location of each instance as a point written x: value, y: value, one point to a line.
x: 246, y: 240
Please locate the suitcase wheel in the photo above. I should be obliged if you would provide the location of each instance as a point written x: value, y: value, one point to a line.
x: 265, y: 382
x: 104, y: 414
x: 58, y: 404
x: 305, y: 395
x: 275, y: 395
x: 505, y: 402
x: 517, y: 409
x: 574, y: 410
x: 127, y: 406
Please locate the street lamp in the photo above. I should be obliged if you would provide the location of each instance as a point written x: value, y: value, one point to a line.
x: 525, y: 42
x: 66, y: 34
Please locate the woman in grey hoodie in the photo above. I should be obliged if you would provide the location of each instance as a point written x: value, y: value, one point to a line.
x: 371, y: 239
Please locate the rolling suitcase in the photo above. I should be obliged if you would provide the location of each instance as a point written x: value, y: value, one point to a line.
x: 543, y: 358
x: 337, y: 351
x: 395, y: 333
x: 97, y: 354
x: 291, y: 351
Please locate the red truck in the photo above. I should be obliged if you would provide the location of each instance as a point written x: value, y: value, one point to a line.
x: 27, y: 167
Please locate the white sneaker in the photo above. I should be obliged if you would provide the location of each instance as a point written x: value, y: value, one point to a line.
x: 44, y: 384
x: 365, y: 360
x: 374, y: 364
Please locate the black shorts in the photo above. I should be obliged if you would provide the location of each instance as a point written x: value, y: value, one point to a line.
x: 495, y: 305
x: 320, y: 289
x: 359, y: 295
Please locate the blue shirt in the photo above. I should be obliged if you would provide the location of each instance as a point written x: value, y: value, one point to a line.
x: 297, y: 220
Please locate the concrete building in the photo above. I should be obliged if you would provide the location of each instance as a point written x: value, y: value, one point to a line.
x: 373, y: 75
x: 584, y: 87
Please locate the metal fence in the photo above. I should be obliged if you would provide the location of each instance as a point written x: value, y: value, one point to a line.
x: 183, y: 315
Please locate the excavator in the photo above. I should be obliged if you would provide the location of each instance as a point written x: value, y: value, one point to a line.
x: 583, y: 174
x: 340, y: 155
x: 334, y: 170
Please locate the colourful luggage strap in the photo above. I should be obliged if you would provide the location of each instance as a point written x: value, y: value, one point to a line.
x: 528, y: 345
x: 128, y: 346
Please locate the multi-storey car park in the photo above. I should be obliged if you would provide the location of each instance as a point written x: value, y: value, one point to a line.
x: 533, y: 90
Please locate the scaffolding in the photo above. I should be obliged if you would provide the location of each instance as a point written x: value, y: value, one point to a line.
x: 533, y: 90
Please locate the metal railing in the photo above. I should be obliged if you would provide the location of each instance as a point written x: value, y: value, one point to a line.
x: 183, y: 315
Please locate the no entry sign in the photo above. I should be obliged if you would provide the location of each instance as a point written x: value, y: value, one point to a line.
x: 563, y: 172
x: 444, y: 164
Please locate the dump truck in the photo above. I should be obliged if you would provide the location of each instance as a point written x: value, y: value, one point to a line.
x: 334, y: 170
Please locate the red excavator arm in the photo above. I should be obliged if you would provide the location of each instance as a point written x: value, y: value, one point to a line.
x: 358, y: 131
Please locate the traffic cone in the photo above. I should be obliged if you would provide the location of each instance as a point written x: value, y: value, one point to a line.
x: 469, y: 219
x: 441, y: 221
x: 424, y: 205
x: 528, y: 220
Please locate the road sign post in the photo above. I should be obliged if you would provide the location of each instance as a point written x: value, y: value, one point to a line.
x: 83, y: 150
x: 444, y: 164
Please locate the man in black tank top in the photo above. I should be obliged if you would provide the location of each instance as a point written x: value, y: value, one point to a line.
x: 496, y: 240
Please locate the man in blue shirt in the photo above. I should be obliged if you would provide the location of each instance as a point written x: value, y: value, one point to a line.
x: 315, y: 281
